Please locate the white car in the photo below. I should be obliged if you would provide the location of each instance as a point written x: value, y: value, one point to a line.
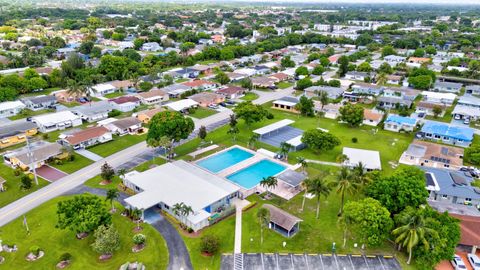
x: 466, y: 121
x: 458, y: 263
x: 457, y: 117
x: 474, y: 261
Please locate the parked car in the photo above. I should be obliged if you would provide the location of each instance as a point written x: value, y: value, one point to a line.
x: 474, y: 261
x: 458, y: 263
x: 466, y: 121
x: 457, y: 117
x: 421, y: 115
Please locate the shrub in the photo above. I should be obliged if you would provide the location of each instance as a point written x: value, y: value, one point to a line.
x: 45, y: 136
x: 65, y: 256
x: 189, y: 230
x: 270, y: 116
x: 354, y: 140
x: 17, y: 172
x: 210, y: 244
x: 25, y: 182
x: 35, y: 250
x: 114, y: 113
x: 139, y: 239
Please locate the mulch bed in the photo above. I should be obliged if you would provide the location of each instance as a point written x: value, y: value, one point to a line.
x: 63, y: 264
x: 206, y: 254
x: 138, y: 248
x: 82, y: 235
x: 105, y: 257
x: 137, y: 229
x: 105, y: 182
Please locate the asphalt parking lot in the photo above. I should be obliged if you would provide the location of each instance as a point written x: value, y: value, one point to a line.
x: 275, y: 261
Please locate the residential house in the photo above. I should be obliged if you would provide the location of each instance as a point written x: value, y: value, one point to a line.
x: 333, y: 92
x: 286, y: 103
x: 261, y: 70
x: 394, y: 79
x: 204, y: 69
x: 249, y: 72
x: 176, y: 90
x: 446, y: 133
x: 280, y: 77
x: 330, y: 111
x: 362, y: 92
x: 56, y: 121
x: 201, y: 85
x: 263, y: 82
x: 472, y: 89
x: 358, y: 76
x: 468, y: 107
x: 419, y: 60
x: 397, y: 123
x: 428, y: 154
x: 125, y: 103
x: 182, y: 105
x: 16, y: 132
x: 452, y: 187
x: 394, y: 60
x: 185, y: 73
x: 449, y: 87
x: 232, y: 91
x: 86, y: 138
x: 392, y: 102
x: 236, y: 77
x: 41, y: 153
x: 40, y: 102
x: 427, y: 108
x: 146, y: 115
x: 11, y: 108
x: 122, y: 85
x: 370, y: 159
x: 102, y: 89
x: 209, y: 196
x: 93, y: 111
x: 469, y: 229
x: 372, y: 117
x: 151, y: 47
x: 153, y: 97
x: 129, y: 125
x: 439, y: 98
x: 205, y: 99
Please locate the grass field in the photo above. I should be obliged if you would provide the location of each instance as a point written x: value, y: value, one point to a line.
x: 202, y: 112
x: 54, y: 242
x: 114, y: 95
x: 29, y: 113
x: 249, y: 96
x: 119, y: 143
x: 283, y: 85
x: 73, y: 166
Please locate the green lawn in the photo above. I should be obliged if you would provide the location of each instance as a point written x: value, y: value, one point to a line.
x: 114, y: 95
x: 29, y: 113
x: 73, y: 166
x: 119, y: 143
x: 447, y: 117
x: 54, y: 242
x: 181, y: 80
x: 202, y: 112
x: 13, y: 191
x: 283, y: 85
x: 70, y: 104
x: 249, y: 96
x: 43, y: 92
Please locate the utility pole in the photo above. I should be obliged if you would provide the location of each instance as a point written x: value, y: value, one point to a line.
x: 31, y: 159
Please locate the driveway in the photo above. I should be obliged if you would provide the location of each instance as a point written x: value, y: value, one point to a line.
x: 88, y: 154
x: 49, y: 173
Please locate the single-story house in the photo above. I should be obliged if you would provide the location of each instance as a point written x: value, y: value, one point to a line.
x: 333, y: 92
x: 41, y: 152
x: 372, y: 117
x: 419, y: 60
x: 163, y: 187
x: 122, y: 84
x: 446, y: 133
x: 129, y: 125
x: 427, y: 108
x: 249, y: 72
x: 201, y: 85
x: 391, y: 102
x: 205, y: 99
x: 397, y: 123
x: 370, y: 159
x: 263, y: 82
x: 56, y: 121
x: 261, y: 70
x: 93, y: 111
x: 429, y: 154
x: 469, y: 100
x: 181, y: 105
x: 394, y: 60
x: 175, y: 90
x: 232, y: 91
x: 466, y: 112
x: 86, y: 138
x: 236, y: 77
x: 472, y: 89
x: 358, y: 76
x: 449, y: 87
x: 439, y: 98
x: 16, y: 132
x: 102, y: 89
x: 146, y: 115
x: 469, y: 232
x: 404, y: 92
x: 280, y: 77
x: 152, y: 97
x: 11, y: 108
x: 125, y: 103
x: 330, y: 111
x: 151, y: 47
x: 282, y: 222
x: 394, y: 79
x: 40, y: 102
x: 286, y: 103
x: 186, y: 73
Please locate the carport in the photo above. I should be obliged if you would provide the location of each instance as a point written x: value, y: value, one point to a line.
x: 279, y: 132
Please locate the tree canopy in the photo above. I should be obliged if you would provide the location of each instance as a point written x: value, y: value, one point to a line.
x: 318, y: 140
x: 250, y: 112
x: 173, y: 125
x: 351, y: 114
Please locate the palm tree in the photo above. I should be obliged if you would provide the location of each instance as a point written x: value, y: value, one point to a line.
x: 382, y: 79
x: 269, y: 183
x: 361, y: 177
x: 253, y: 140
x: 412, y: 232
x: 233, y: 120
x: 284, y: 149
x: 344, y: 185
x: 319, y: 186
x: 121, y: 172
x: 345, y: 222
x: 263, y: 216
x: 305, y: 185
x: 76, y: 89
x: 177, y: 209
x: 233, y: 131
x: 137, y: 213
x: 112, y: 194
x: 303, y: 162
x: 323, y: 98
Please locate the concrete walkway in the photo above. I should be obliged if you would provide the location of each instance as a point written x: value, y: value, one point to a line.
x: 324, y: 162
x: 239, y: 205
x: 88, y: 154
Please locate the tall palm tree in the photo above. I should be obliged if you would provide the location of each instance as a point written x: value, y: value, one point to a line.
x: 75, y: 89
x: 121, y: 172
x: 319, y: 187
x: 233, y: 131
x: 361, y: 177
x: 345, y: 184
x: 112, y: 194
x: 284, y: 149
x: 345, y: 222
x: 412, y: 232
x: 303, y: 162
x: 269, y: 183
x: 253, y: 140
x: 263, y: 216
x: 323, y: 98
x: 305, y: 185
x: 382, y: 79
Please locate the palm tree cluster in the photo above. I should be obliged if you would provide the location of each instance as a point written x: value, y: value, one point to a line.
x: 269, y: 183
x: 182, y: 211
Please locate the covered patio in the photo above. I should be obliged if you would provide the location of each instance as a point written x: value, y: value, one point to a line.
x: 283, y: 222
x: 279, y: 132
x: 289, y: 184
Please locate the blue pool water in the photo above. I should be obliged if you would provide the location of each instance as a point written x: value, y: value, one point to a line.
x: 252, y: 175
x: 224, y: 160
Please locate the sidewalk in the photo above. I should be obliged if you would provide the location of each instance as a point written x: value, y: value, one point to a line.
x: 239, y: 205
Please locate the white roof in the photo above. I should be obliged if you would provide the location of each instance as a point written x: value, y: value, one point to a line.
x: 370, y: 159
x: 8, y: 105
x: 467, y: 110
x: 274, y: 126
x: 438, y: 95
x: 178, y: 182
x: 103, y: 87
x: 54, y: 118
x: 246, y: 71
x: 181, y: 104
x: 285, y: 102
x: 297, y: 141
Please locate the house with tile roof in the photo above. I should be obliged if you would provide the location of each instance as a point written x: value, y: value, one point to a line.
x: 152, y: 97
x: 86, y: 138
x: 372, y: 117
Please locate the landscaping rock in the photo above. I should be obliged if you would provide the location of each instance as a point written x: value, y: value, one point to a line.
x: 138, y: 248
x: 105, y: 257
x: 63, y: 264
x: 32, y: 257
x: 82, y: 235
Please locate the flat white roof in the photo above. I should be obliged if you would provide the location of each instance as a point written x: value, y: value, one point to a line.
x: 274, y: 126
x: 370, y: 159
x: 285, y: 103
x: 54, y: 118
x: 178, y: 182
x: 103, y: 87
x: 297, y: 141
x: 8, y: 105
x: 181, y: 104
x: 430, y: 94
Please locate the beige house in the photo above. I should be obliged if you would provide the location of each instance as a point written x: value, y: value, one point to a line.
x: 206, y: 99
x: 152, y: 97
x: 428, y: 154
x: 145, y: 116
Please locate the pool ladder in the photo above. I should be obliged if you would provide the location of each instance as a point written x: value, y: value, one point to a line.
x: 238, y: 261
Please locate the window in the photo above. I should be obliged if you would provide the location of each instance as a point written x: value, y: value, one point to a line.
x: 437, y: 137
x: 445, y: 138
x: 426, y: 161
x: 444, y: 196
x: 446, y: 165
x: 468, y: 199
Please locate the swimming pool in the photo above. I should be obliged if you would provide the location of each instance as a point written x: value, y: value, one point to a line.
x: 253, y: 174
x: 219, y: 162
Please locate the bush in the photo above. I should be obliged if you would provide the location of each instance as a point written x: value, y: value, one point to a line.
x: 65, y: 257
x: 35, y: 250
x: 114, y: 113
x: 17, y: 172
x: 354, y: 140
x: 189, y: 230
x: 25, y: 182
x: 210, y: 244
x: 45, y: 136
x: 139, y: 239
x: 270, y: 116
